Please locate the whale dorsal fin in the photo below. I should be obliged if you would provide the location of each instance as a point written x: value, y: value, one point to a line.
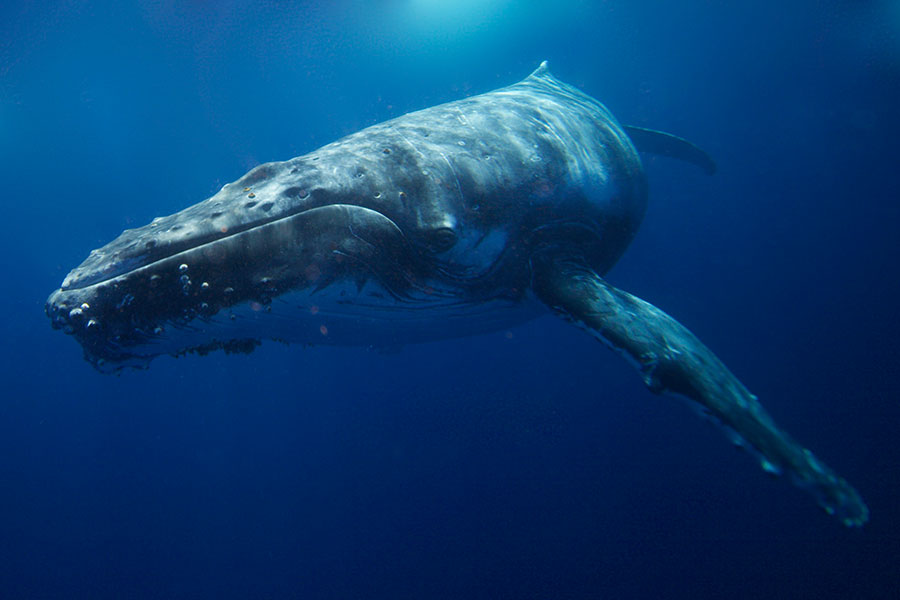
x: 651, y: 140
x: 543, y: 70
x: 666, y: 144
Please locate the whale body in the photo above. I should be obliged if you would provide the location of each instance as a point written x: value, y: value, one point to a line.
x: 459, y: 219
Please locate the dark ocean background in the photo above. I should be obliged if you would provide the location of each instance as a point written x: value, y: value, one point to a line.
x: 523, y: 464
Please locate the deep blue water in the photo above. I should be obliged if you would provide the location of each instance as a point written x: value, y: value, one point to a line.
x: 534, y: 465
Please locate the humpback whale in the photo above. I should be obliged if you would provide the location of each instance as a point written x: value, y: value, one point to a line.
x: 463, y: 218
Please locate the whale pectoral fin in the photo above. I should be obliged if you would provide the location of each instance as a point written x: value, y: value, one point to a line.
x: 666, y: 144
x: 671, y: 359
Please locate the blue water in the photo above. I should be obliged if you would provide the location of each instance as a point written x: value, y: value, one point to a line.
x: 528, y: 464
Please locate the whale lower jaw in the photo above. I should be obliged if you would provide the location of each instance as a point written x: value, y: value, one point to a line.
x: 312, y: 319
x: 179, y: 302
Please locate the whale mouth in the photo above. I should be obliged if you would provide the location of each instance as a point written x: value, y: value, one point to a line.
x: 126, y: 312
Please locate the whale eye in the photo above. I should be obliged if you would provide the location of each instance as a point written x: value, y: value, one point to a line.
x: 440, y: 239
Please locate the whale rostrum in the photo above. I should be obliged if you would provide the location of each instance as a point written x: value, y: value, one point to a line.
x: 463, y: 218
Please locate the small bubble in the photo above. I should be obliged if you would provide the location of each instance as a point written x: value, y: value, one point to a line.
x: 204, y: 286
x: 75, y: 313
x: 246, y: 189
x: 154, y: 280
x: 157, y: 330
x: 85, y: 306
x: 251, y: 195
x: 204, y: 306
x: 228, y: 290
x: 323, y: 330
x: 182, y: 268
x: 386, y: 151
x: 232, y: 317
x: 185, y: 280
x: 92, y: 324
x: 461, y: 143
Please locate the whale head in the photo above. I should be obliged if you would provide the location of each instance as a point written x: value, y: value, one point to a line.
x: 418, y: 228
